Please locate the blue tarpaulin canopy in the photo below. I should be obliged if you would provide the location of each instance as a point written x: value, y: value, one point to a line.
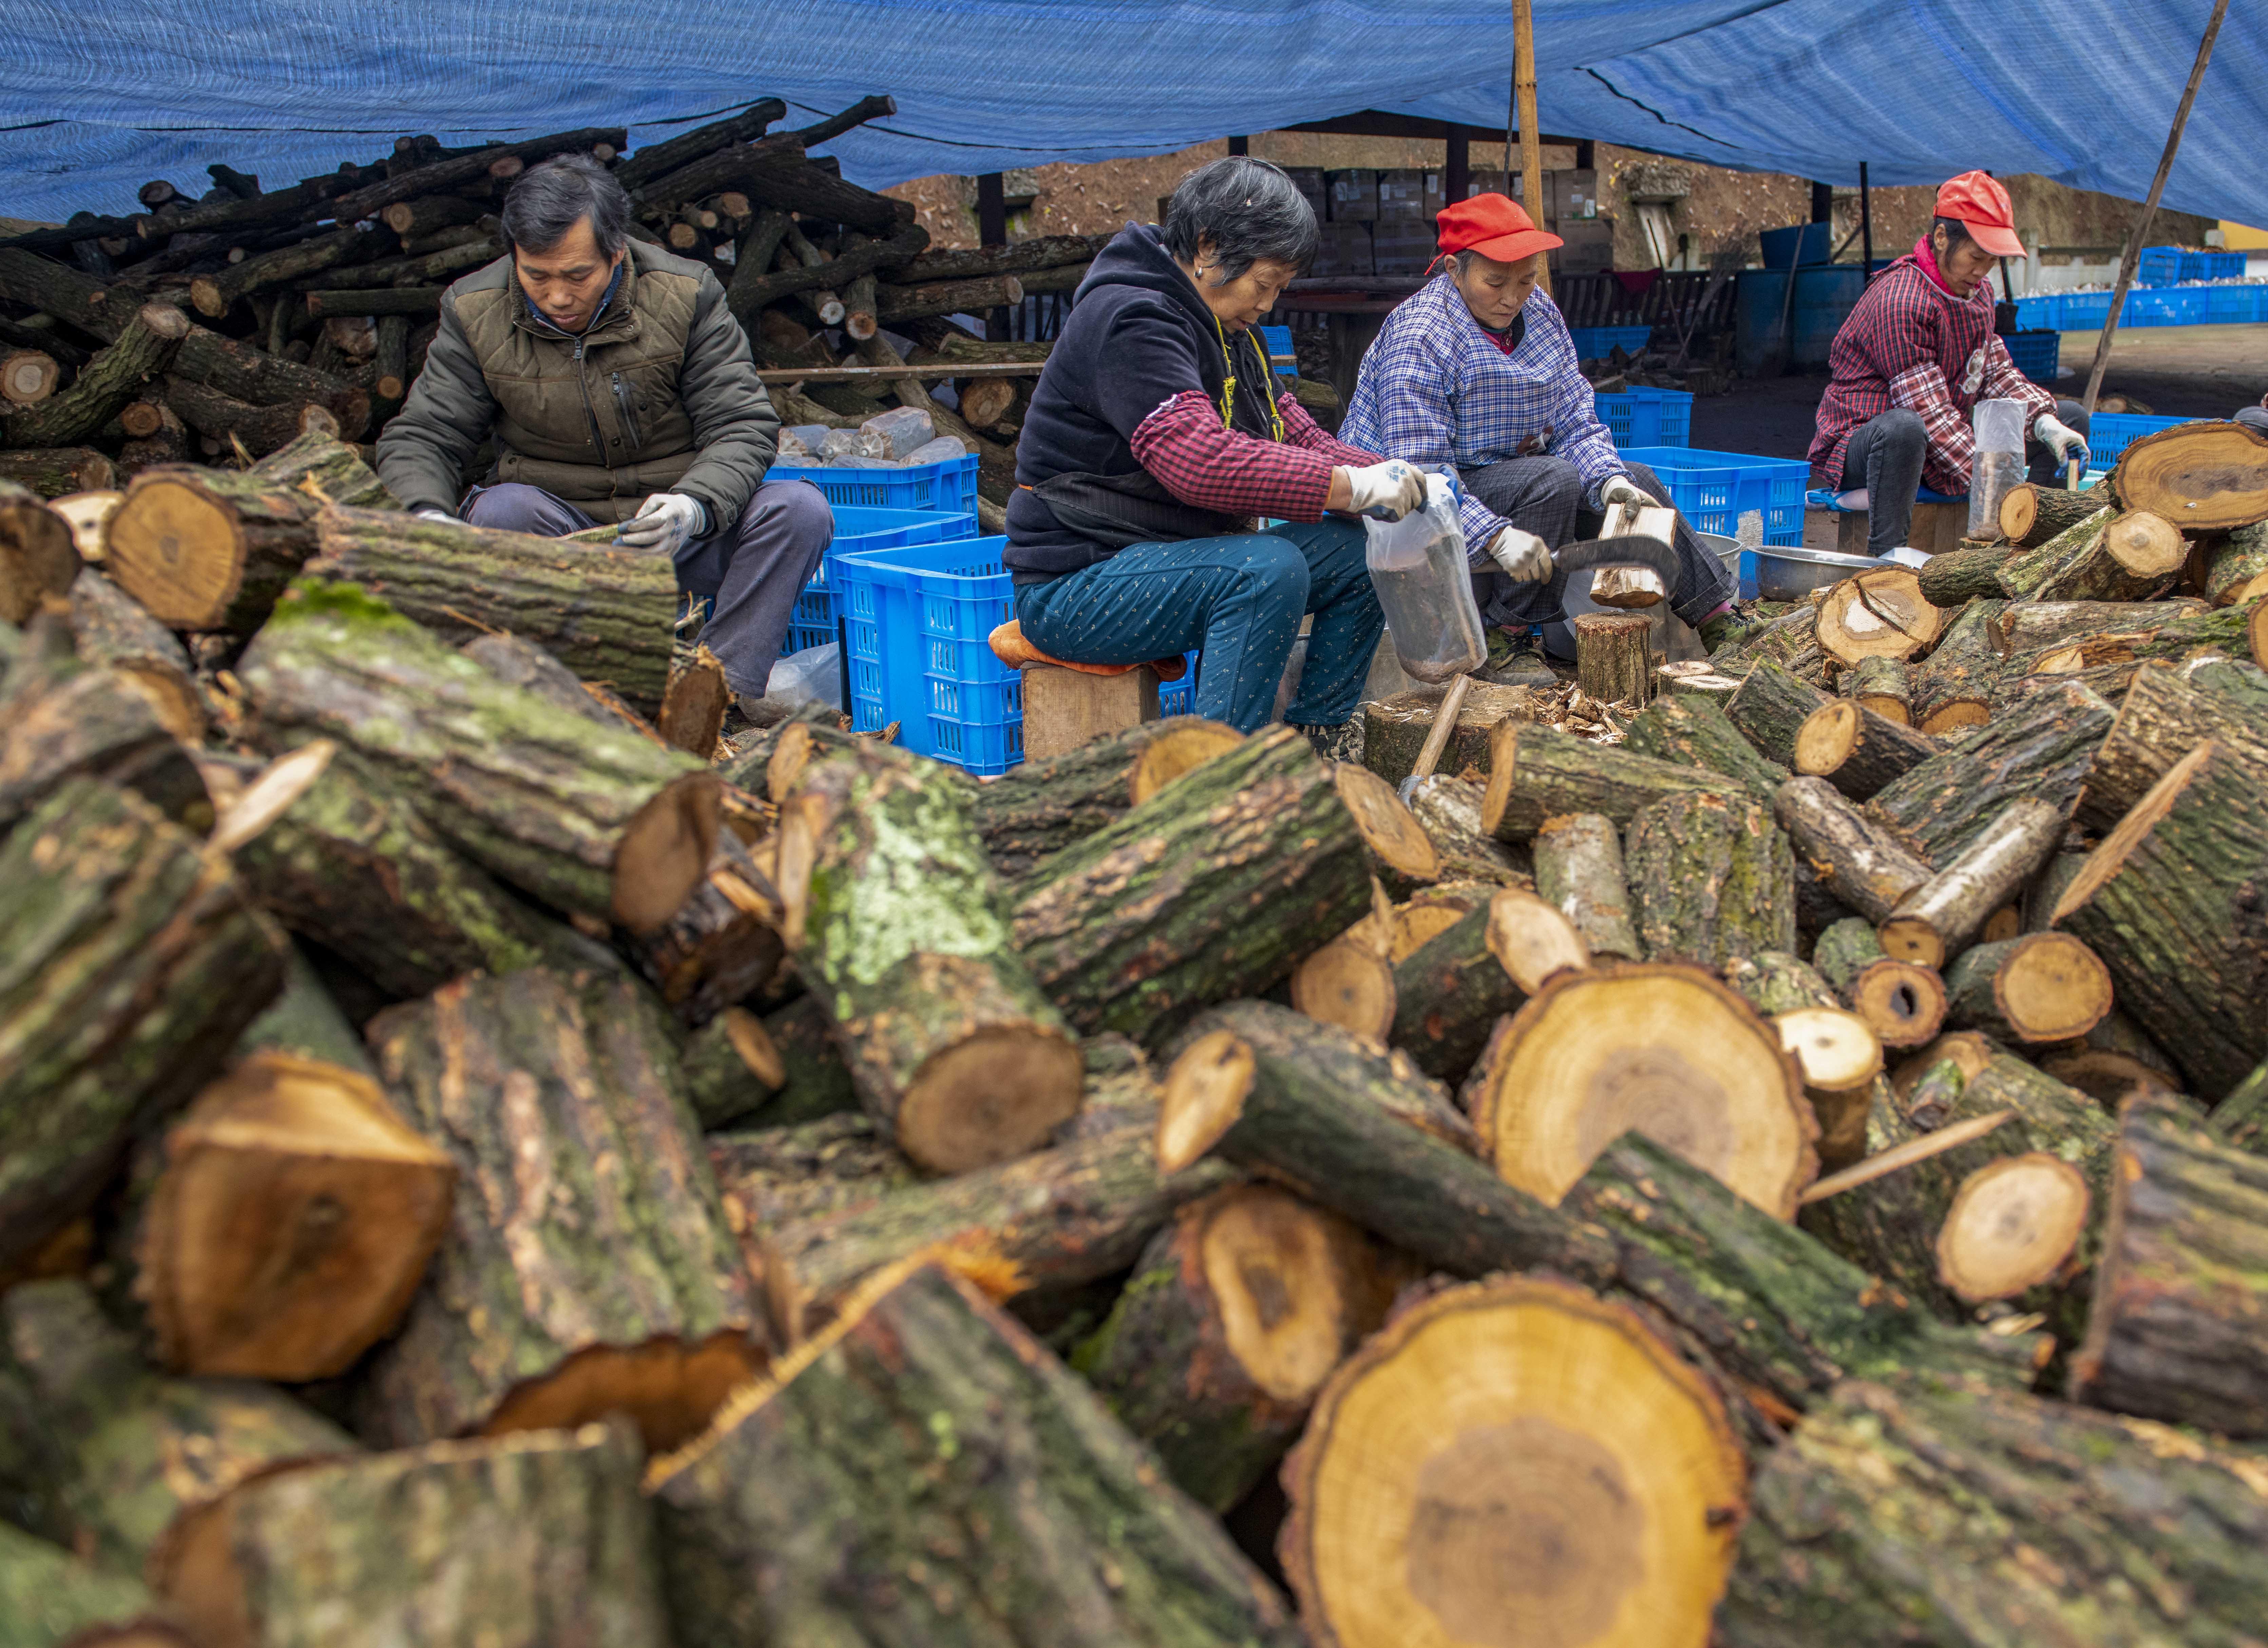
x: 96, y: 99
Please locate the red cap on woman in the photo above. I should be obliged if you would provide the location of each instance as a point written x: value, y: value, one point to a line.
x: 1981, y: 206
x: 1494, y: 226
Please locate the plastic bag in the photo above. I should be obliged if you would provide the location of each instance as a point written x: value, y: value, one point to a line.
x: 1999, y: 466
x: 1425, y: 588
x: 813, y: 675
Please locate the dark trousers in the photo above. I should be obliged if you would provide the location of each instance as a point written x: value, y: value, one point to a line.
x: 1544, y: 495
x: 1240, y: 598
x: 1885, y: 456
x: 749, y: 576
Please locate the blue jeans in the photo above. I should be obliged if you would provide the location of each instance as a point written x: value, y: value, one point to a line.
x: 1240, y: 599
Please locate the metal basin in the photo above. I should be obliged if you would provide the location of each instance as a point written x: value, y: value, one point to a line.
x: 1786, y: 574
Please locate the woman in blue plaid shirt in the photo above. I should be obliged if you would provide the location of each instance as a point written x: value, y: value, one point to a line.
x: 1476, y: 370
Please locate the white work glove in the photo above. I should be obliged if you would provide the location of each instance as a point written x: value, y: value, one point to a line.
x: 2059, y: 436
x: 1524, y: 558
x: 1385, y: 491
x: 666, y: 521
x: 439, y: 515
x: 1622, y: 489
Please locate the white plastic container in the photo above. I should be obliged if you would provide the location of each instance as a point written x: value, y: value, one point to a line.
x: 1425, y: 590
x: 2000, y: 462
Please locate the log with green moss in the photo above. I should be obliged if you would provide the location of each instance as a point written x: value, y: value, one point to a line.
x: 772, y: 1176
x: 1956, y: 685
x: 2025, y: 573
x: 1539, y: 772
x: 2169, y: 710
x: 2030, y: 515
x: 213, y: 549
x: 116, y: 375
x: 1860, y: 862
x: 50, y: 1598
x: 66, y: 718
x: 587, y: 1265
x: 953, y: 1418
x: 2236, y: 568
x: 1448, y: 994
x: 38, y: 557
x: 1216, y: 887
x: 2043, y: 747
x: 2241, y: 1118
x: 1449, y: 811
x: 590, y: 820
x: 1711, y: 880
x: 111, y: 629
x: 1395, y: 730
x: 1959, y: 576
x: 1770, y: 709
x: 1856, y: 750
x: 1041, y: 808
x: 1939, y: 1513
x: 131, y: 960
x: 1580, y: 871
x: 1902, y: 1001
x: 2108, y: 660
x: 1697, y: 731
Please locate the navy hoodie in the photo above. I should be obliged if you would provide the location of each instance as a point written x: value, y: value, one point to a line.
x: 1138, y: 335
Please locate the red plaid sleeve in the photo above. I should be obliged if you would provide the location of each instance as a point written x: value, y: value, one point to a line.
x: 1922, y: 390
x: 1182, y: 444
x: 1302, y: 430
x: 2004, y: 382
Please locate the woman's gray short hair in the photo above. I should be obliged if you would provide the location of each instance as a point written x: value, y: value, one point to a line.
x: 545, y: 200
x: 1248, y: 209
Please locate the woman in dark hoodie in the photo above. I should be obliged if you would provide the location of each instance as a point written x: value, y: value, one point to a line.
x: 1157, y: 435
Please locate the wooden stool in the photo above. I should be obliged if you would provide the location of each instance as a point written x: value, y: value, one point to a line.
x: 1064, y: 709
x: 1938, y: 525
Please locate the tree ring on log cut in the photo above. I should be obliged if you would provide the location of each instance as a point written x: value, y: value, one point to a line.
x: 1190, y: 744
x: 1532, y: 940
x: 1881, y: 614
x: 2198, y: 476
x: 1421, y: 921
x: 2054, y: 988
x: 1280, y: 1281
x: 1663, y: 1049
x: 664, y: 850
x: 996, y: 1094
x: 754, y: 1043
x: 1904, y: 1003
x: 1513, y: 1464
x: 1347, y: 983
x: 667, y: 1387
x: 1837, y: 1050
x: 2014, y: 1225
x: 178, y: 550
x: 1203, y: 1094
x: 1388, y: 829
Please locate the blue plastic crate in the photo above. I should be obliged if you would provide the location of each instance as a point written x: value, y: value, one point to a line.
x: 1180, y: 698
x: 2226, y: 304
x: 2161, y: 266
x: 2213, y: 266
x: 2036, y: 354
x: 2173, y: 305
x: 1277, y: 340
x: 950, y: 485
x: 1598, y: 342
x: 1713, y: 489
x: 1648, y: 417
x: 2110, y: 433
x: 811, y: 623
x: 918, y: 620
x: 2084, y: 312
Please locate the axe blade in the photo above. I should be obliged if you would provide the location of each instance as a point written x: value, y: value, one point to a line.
x: 1632, y: 551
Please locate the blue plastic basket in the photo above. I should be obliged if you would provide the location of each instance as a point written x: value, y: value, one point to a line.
x: 1713, y: 489
x: 2213, y: 266
x: 2036, y: 354
x: 1648, y: 417
x: 919, y: 620
x: 2084, y: 312
x: 811, y: 623
x: 1598, y: 342
x: 950, y: 485
x: 2110, y: 433
x: 1180, y: 698
x: 1277, y: 340
x: 2226, y: 304
x: 2161, y: 266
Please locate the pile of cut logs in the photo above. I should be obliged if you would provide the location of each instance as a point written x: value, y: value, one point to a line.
x: 246, y: 317
x: 484, y: 1160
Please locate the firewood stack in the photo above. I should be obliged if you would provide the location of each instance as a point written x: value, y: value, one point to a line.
x: 246, y: 318
x: 482, y: 1159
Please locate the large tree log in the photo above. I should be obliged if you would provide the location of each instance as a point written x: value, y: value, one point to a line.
x: 1593, y: 1478
x: 1449, y: 810
x: 1696, y: 732
x: 900, y: 927
x: 141, y: 351
x: 55, y: 471
x: 262, y: 430
x: 771, y: 1177
x: 1536, y: 772
x: 2172, y: 902
x: 2022, y: 574
x: 896, y: 305
x: 590, y: 820
x: 1449, y: 993
x: 1863, y: 863
x: 66, y: 719
x: 1903, y: 1001
x: 469, y: 166
x: 956, y: 1419
x: 2236, y: 569
x: 2107, y: 661
x: 1579, y: 868
x: 1881, y: 614
x: 1955, y: 688
x: 1710, y: 880
x: 1959, y: 576
x: 1395, y: 730
x: 2203, y: 474
x: 2168, y: 711
x: 1216, y: 887
x: 2036, y: 626
x: 1042, y: 808
x: 112, y: 629
x: 1857, y: 751
x: 213, y: 549
x: 1891, y: 1515
x: 2040, y: 988
x: 1937, y: 919
x: 133, y: 960
x: 515, y: 1542
x: 1235, y: 1315
x: 2031, y: 515
x: 2131, y: 557
x: 38, y: 557
x: 2042, y: 746
x: 587, y: 1266
x: 214, y: 294
x: 1771, y: 708
x: 651, y: 160
x: 51, y: 1599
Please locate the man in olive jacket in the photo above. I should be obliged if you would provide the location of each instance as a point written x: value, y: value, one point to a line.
x: 616, y: 387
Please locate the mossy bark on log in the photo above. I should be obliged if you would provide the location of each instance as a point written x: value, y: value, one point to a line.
x: 2032, y: 626
x: 1779, y: 984
x: 2136, y: 557
x: 2022, y: 574
x: 38, y: 557
x: 1892, y: 1514
x: 2172, y: 902
x: 589, y: 821
x: 2109, y: 1059
x: 1539, y: 772
x: 2108, y: 660
x: 1215, y: 887
x: 1450, y: 809
x: 1977, y: 888
x: 2043, y: 747
x: 605, y: 613
x: 2038, y: 987
x: 1856, y: 750
x: 1070, y: 1214
x: 2030, y: 515
x: 901, y: 929
x: 1771, y: 708
x: 771, y: 1177
x: 112, y: 630
x: 1236, y: 1314
x: 731, y: 1067
x: 1578, y: 867
x: 133, y: 1468
x: 516, y: 1541
x: 213, y: 549
x: 587, y: 1265
x: 1710, y: 880
x: 1955, y: 688
x: 351, y: 865
x: 1614, y: 656
x: 1449, y: 993
x: 2241, y: 1118
x: 1696, y: 732
x: 963, y: 1421
x: 724, y: 943
x: 140, y: 352
x: 1884, y: 685
x: 1903, y: 1001
x: 1042, y: 808
x: 817, y: 1081
x: 1958, y: 576
x: 67, y: 720
x: 133, y: 960
x: 2169, y: 710
x: 524, y: 664
x: 1863, y: 863
x: 1395, y: 730
x: 54, y: 472
x: 51, y: 1599
x: 258, y: 430
x: 2235, y: 566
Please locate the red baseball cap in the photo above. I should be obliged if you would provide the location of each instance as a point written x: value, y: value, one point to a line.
x: 1982, y: 207
x: 1494, y: 226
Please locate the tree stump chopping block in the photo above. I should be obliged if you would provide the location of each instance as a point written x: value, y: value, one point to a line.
x: 1614, y: 657
x: 1066, y: 709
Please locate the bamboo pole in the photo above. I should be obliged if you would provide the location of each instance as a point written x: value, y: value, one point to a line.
x: 2134, y: 238
x: 1524, y: 122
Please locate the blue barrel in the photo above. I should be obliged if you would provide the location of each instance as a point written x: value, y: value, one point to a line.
x: 1824, y: 297
x: 1803, y: 243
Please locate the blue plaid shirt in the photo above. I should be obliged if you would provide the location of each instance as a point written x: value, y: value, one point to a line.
x: 1436, y: 390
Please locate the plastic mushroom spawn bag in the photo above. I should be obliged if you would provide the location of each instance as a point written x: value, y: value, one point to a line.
x: 1417, y: 567
x: 1998, y: 464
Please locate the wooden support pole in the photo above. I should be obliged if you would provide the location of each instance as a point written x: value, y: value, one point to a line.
x: 2132, y: 256
x: 1524, y: 117
x: 1865, y: 222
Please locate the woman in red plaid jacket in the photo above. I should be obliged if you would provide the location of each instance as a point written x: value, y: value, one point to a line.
x: 1915, y: 356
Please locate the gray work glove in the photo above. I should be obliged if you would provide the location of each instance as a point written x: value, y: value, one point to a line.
x: 439, y: 515
x: 1622, y: 489
x: 666, y: 521
x: 1522, y: 554
x: 1385, y: 491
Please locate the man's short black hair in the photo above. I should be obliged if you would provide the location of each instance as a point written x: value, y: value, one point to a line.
x: 545, y: 202
x: 1249, y: 210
